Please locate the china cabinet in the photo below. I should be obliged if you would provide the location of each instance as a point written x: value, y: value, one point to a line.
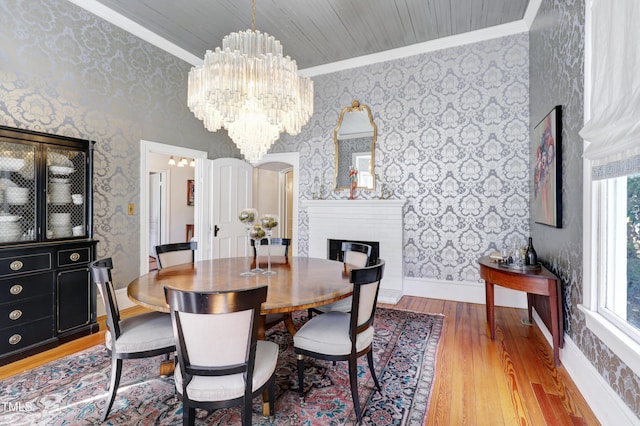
x: 46, y: 243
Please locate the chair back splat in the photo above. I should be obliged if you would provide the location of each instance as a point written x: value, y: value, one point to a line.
x: 279, y: 247
x: 175, y: 253
x: 141, y: 336
x: 207, y: 376
x: 342, y: 336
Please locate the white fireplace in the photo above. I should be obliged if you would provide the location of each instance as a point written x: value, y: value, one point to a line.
x: 361, y: 220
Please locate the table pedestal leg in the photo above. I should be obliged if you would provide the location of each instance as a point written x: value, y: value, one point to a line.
x: 288, y: 322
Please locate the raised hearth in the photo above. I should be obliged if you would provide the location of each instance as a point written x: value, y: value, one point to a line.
x: 361, y: 220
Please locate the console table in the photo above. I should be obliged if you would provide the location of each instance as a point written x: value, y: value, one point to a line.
x: 537, y: 281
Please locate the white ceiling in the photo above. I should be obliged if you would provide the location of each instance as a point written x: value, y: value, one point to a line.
x: 313, y: 32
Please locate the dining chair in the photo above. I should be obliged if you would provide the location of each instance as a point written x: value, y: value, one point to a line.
x: 141, y: 336
x: 226, y: 366
x: 341, y: 336
x: 279, y: 247
x: 175, y: 253
x: 355, y: 254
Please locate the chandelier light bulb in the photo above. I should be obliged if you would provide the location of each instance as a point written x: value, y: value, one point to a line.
x: 172, y: 161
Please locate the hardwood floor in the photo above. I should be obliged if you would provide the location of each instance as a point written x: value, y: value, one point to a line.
x: 509, y: 381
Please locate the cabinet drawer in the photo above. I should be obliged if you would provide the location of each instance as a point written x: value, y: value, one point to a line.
x: 24, y: 311
x: 26, y: 263
x: 17, y: 338
x: 74, y: 256
x: 26, y: 286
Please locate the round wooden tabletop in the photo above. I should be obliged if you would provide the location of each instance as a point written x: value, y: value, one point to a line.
x: 299, y: 282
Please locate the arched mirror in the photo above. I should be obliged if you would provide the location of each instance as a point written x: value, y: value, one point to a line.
x: 355, y: 141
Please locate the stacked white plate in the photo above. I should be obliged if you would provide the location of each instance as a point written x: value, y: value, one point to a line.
x: 59, y: 192
x: 11, y: 164
x: 60, y: 224
x: 9, y: 227
x: 16, y: 195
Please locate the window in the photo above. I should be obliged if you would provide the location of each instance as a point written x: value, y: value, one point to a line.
x: 619, y: 225
x: 611, y: 298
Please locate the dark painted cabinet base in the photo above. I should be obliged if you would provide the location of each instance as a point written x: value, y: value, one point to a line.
x: 46, y: 296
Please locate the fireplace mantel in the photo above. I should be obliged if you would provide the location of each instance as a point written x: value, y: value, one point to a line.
x: 361, y: 220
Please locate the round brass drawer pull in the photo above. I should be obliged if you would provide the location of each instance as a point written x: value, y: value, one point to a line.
x: 16, y: 265
x: 15, y: 314
x: 74, y: 257
x: 15, y: 289
x: 15, y: 339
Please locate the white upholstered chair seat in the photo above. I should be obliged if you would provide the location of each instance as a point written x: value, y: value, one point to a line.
x: 342, y: 305
x: 329, y: 334
x: 143, y: 332
x: 221, y: 388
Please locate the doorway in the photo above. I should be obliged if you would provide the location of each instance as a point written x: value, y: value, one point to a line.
x: 162, y: 217
x: 282, y: 170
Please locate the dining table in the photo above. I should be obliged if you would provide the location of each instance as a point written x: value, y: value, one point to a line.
x: 298, y: 283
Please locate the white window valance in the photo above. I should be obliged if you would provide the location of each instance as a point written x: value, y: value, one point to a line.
x: 613, y: 131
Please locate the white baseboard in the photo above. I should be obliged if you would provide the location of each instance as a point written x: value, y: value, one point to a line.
x: 469, y: 292
x: 607, y: 406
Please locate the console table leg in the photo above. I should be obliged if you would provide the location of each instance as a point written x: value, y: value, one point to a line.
x: 490, y: 309
x: 555, y: 331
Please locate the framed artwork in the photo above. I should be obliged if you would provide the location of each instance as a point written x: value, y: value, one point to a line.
x: 190, y: 192
x: 547, y: 172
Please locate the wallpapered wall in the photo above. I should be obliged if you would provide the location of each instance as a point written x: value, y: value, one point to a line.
x: 452, y: 140
x: 557, y: 76
x: 67, y: 72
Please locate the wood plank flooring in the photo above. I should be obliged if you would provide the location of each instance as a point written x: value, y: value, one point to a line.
x: 509, y: 381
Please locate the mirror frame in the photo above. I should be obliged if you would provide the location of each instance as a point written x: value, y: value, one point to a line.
x: 355, y: 106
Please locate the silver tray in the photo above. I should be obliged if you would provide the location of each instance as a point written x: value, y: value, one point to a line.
x: 535, y: 267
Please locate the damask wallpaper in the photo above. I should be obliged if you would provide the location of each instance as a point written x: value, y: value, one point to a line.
x: 67, y: 72
x: 452, y: 140
x: 557, y: 76
x: 453, y: 136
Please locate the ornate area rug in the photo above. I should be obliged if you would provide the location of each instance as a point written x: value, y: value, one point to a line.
x: 72, y: 390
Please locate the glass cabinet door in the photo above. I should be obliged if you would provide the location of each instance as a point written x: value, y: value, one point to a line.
x: 17, y: 192
x: 66, y: 193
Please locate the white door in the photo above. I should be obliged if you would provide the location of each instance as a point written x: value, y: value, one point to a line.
x: 157, y: 210
x: 231, y: 191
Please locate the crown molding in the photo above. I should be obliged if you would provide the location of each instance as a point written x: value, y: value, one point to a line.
x: 497, y: 31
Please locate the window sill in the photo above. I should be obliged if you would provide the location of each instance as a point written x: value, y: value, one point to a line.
x: 627, y: 349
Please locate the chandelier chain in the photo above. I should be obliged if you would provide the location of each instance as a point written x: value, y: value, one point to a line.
x: 253, y: 15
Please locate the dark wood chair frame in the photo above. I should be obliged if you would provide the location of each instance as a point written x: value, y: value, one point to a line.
x: 359, y: 278
x: 166, y: 248
x: 101, y: 275
x: 219, y: 303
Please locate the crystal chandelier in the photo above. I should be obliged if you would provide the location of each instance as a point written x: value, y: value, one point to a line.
x: 251, y: 90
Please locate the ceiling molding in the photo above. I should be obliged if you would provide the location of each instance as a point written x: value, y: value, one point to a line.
x: 419, y: 48
x: 137, y: 30
x: 497, y: 31
x: 531, y: 12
